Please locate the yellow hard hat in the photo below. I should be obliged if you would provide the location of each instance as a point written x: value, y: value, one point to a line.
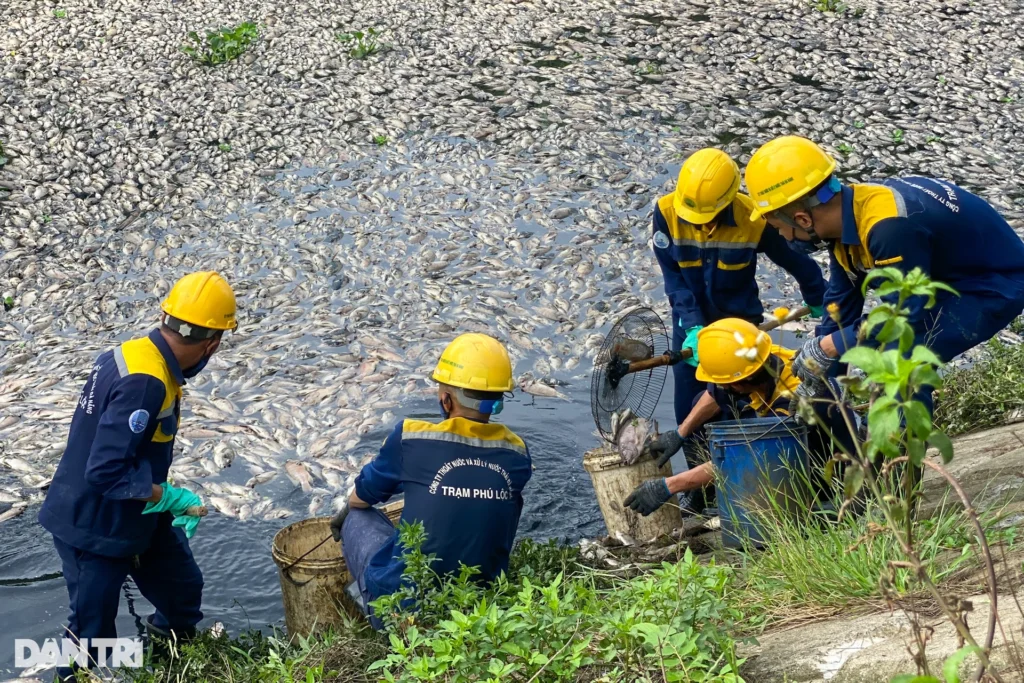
x: 731, y: 350
x: 204, y: 299
x: 784, y: 170
x: 475, y: 361
x: 708, y: 182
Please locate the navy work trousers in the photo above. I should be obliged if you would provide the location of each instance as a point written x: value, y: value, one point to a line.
x: 166, y: 573
x: 364, y: 533
x: 958, y: 323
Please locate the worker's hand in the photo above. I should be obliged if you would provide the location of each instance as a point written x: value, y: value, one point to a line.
x: 648, y: 497
x: 690, y: 342
x: 816, y: 311
x: 176, y: 501
x: 665, y: 445
x: 811, y: 363
x: 337, y: 521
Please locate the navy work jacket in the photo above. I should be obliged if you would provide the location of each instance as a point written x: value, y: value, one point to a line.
x: 120, y: 445
x: 709, y: 274
x: 463, y: 480
x: 954, y: 236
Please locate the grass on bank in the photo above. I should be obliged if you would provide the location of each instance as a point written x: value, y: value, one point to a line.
x: 986, y: 393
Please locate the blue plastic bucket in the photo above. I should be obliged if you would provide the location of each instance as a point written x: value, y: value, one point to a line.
x: 755, y: 458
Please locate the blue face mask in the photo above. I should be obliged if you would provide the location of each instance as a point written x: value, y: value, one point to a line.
x: 189, y: 373
x: 444, y: 413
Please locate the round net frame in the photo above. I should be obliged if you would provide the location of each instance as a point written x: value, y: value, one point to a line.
x: 639, y: 391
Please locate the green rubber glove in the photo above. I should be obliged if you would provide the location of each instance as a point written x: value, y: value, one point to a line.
x: 690, y: 342
x: 816, y: 311
x: 177, y: 501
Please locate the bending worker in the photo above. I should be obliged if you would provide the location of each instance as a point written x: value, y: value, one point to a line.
x: 463, y: 478
x: 707, y: 246
x: 110, y: 509
x: 748, y: 377
x: 955, y: 237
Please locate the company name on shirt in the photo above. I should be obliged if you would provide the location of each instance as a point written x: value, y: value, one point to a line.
x: 87, y: 402
x: 949, y: 201
x: 479, y: 494
x: 463, y: 462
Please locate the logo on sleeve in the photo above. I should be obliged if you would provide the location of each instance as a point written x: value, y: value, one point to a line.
x: 138, y: 420
x: 661, y: 240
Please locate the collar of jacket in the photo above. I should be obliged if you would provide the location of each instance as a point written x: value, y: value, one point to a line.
x: 165, y: 350
x: 850, y: 234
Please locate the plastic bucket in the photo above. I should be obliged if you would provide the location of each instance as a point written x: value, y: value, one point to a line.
x: 614, y: 481
x: 755, y: 459
x: 313, y: 587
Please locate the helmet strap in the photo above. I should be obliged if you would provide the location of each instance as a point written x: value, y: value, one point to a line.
x: 188, y: 330
x: 482, y: 406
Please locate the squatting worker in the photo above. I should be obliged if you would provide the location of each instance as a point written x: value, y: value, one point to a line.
x: 747, y: 377
x: 110, y: 508
x: 463, y: 478
x: 707, y: 246
x: 954, y: 236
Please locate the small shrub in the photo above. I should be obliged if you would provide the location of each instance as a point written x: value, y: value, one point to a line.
x: 224, y: 147
x: 222, y: 45
x: 897, y: 136
x: 60, y: 13
x: 844, y: 148
x: 380, y: 140
x: 673, y: 619
x: 361, y: 44
x: 984, y: 394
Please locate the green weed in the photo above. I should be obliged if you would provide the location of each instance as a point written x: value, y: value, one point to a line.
x: 942, y: 79
x: 844, y: 148
x: 362, y: 44
x: 674, y: 618
x: 380, y: 140
x: 985, y: 394
x: 60, y: 13
x: 46, y: 218
x: 224, y: 147
x: 1008, y: 99
x: 933, y: 138
x: 858, y: 125
x: 897, y: 136
x: 222, y: 45
x: 837, y: 6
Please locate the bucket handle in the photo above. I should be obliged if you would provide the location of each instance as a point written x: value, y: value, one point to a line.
x: 284, y: 570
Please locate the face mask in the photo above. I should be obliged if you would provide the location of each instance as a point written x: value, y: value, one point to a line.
x: 189, y: 373
x: 802, y: 247
x: 444, y: 413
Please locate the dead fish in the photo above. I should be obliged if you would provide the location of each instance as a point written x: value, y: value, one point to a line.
x: 631, y: 437
x: 632, y: 350
x: 535, y: 388
x: 261, y: 478
x: 15, y: 511
x: 299, y: 474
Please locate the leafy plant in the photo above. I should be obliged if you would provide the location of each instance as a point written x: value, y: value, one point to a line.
x: 674, y: 619
x: 844, y: 148
x: 983, y: 395
x: 837, y: 6
x: 897, y: 136
x: 1008, y: 99
x: 224, y: 147
x: 858, y: 124
x: 60, y: 13
x: 361, y: 44
x: 222, y: 45
x: 46, y: 218
x: 380, y: 140
x: 950, y: 668
x: 942, y: 79
x: 933, y: 138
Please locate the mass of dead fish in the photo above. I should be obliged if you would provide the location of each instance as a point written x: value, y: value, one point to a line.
x: 526, y: 144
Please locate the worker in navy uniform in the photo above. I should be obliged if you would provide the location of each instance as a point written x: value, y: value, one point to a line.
x: 463, y: 479
x: 747, y: 376
x: 110, y: 507
x: 707, y: 246
x: 953, y: 236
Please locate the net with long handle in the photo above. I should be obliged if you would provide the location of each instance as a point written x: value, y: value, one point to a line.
x: 638, y: 335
